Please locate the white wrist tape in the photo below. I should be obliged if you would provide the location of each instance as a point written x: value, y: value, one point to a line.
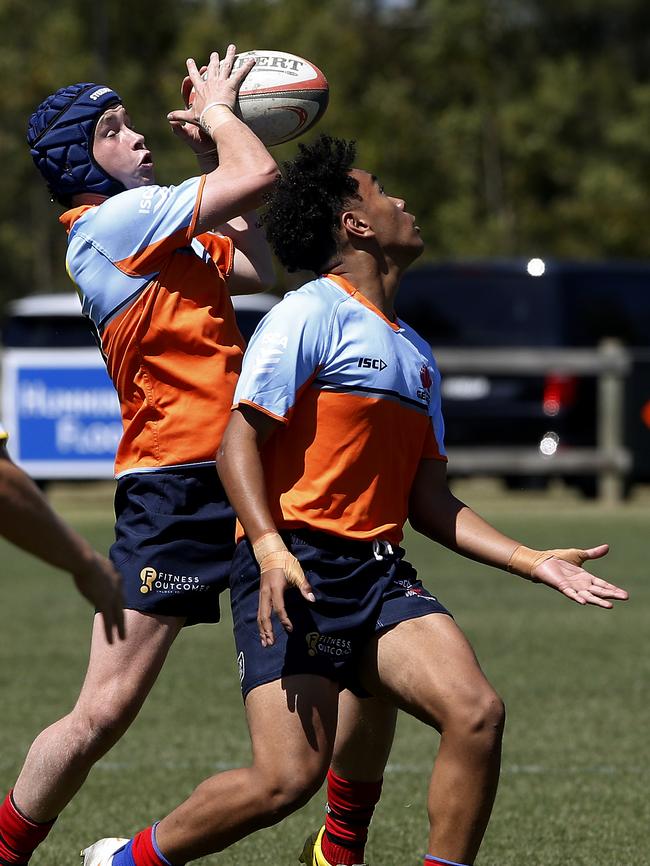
x: 208, y: 127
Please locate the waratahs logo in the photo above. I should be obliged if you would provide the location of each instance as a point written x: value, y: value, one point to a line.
x: 424, y: 393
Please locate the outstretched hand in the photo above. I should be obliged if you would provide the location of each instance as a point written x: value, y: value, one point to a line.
x: 568, y: 577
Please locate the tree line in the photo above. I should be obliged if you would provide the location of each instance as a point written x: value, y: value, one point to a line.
x: 510, y: 127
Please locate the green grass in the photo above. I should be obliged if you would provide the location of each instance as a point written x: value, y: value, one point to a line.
x: 576, y: 762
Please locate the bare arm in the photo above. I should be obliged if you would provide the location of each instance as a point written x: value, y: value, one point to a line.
x: 240, y: 469
x: 28, y: 521
x: 242, y: 475
x: 437, y: 513
x: 252, y: 267
x: 244, y: 170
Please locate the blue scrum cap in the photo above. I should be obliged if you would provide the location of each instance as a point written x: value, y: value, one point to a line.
x: 60, y: 137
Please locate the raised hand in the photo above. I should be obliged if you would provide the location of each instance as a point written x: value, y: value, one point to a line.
x: 216, y: 84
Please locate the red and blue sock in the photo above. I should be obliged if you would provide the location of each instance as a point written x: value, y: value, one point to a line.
x: 142, y: 850
x: 349, y: 810
x: 19, y: 835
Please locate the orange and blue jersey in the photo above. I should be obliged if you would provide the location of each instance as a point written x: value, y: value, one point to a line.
x: 157, y: 297
x: 358, y: 396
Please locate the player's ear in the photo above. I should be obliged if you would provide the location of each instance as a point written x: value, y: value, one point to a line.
x: 355, y: 223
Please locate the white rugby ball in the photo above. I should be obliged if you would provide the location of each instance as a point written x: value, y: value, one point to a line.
x: 282, y: 96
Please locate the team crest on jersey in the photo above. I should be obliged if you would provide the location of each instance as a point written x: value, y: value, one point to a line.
x: 424, y: 393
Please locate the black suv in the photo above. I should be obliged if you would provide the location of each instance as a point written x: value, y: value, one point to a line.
x: 534, y: 304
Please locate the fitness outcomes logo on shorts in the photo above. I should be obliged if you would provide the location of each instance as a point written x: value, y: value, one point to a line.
x: 241, y: 664
x: 327, y: 645
x: 167, y: 583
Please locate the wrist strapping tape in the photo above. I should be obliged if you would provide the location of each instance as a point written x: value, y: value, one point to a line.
x: 271, y: 552
x: 210, y: 107
x: 524, y: 560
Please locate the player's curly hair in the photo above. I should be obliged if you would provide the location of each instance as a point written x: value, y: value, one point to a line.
x: 302, y: 211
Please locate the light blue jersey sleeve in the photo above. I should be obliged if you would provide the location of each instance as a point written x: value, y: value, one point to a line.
x: 3, y: 433
x: 137, y: 229
x: 286, y: 351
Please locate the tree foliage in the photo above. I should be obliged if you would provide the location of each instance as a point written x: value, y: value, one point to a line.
x: 511, y: 127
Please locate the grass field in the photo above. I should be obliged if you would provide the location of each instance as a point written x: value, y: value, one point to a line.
x: 574, y: 788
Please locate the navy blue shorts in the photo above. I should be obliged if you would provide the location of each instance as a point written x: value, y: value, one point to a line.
x: 360, y: 588
x: 175, y: 538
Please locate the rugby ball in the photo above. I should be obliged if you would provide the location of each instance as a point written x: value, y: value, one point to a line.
x: 282, y: 96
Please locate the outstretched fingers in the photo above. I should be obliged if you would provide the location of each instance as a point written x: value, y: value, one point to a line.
x: 584, y: 588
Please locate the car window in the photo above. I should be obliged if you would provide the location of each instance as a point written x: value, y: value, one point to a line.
x: 608, y: 304
x: 476, y: 307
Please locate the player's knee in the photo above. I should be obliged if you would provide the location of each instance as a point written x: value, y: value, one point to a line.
x: 285, y: 792
x: 479, y: 718
x: 95, y: 731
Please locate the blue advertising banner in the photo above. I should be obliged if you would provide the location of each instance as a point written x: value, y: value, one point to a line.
x: 61, y: 411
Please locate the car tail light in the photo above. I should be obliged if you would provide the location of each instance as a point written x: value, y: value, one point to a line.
x: 645, y: 413
x: 559, y: 393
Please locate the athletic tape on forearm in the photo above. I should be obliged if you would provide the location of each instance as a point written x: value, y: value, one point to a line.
x: 271, y: 552
x: 524, y: 560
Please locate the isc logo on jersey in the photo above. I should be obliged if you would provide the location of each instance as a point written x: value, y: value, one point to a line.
x: 372, y: 363
x: 149, y: 193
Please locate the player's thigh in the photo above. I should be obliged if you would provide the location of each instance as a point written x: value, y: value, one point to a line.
x: 364, y: 736
x: 428, y: 668
x: 292, y: 723
x: 120, y: 675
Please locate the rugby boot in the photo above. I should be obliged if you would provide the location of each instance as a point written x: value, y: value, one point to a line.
x: 101, y: 853
x: 312, y: 852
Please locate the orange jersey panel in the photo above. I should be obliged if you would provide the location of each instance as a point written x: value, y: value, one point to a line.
x: 174, y: 356
x: 354, y: 478
x: 158, y: 299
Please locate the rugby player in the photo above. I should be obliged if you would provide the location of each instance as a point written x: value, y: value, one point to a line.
x: 154, y: 280
x: 337, y: 439
x: 28, y: 521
